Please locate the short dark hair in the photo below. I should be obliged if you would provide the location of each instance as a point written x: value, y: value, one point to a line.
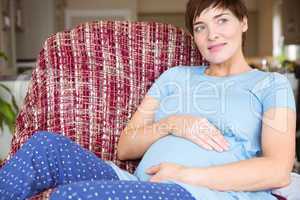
x: 195, y: 7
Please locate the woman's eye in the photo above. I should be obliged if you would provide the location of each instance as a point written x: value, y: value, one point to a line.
x: 199, y: 29
x: 222, y: 21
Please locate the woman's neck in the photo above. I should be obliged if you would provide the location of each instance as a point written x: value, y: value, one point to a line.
x: 235, y: 65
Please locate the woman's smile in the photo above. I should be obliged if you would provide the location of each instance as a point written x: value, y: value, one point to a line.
x: 216, y: 47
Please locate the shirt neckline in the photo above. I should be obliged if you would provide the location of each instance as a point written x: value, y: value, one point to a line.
x: 242, y: 74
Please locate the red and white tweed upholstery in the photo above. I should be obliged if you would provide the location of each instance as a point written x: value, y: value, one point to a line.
x: 89, y: 81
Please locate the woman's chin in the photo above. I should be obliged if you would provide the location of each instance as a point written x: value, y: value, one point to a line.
x: 216, y: 61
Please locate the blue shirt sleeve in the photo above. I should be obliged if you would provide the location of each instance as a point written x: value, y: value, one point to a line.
x: 278, y: 94
x: 161, y: 86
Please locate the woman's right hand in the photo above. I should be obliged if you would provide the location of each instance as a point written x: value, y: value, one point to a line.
x: 198, y: 130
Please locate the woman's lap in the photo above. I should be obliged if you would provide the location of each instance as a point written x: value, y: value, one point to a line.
x: 95, y: 190
x: 48, y: 160
x: 52, y: 160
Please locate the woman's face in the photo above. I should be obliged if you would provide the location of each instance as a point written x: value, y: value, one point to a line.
x: 218, y: 34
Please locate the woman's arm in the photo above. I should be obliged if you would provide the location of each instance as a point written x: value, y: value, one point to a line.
x: 141, y: 131
x: 271, y: 170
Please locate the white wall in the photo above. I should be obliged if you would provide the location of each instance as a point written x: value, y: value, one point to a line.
x: 7, y: 39
x: 5, y: 138
x: 38, y: 25
x: 130, y: 5
x: 19, y: 89
x: 265, y: 29
x: 159, y: 6
x: 39, y: 21
x: 251, y: 4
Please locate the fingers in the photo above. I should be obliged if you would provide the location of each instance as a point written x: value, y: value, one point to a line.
x: 214, y: 144
x: 153, y: 170
x: 213, y: 137
x: 155, y: 179
x: 204, y: 144
x: 212, y: 141
x: 200, y: 131
x: 218, y: 138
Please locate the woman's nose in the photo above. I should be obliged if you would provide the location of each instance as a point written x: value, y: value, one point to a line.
x: 212, y: 34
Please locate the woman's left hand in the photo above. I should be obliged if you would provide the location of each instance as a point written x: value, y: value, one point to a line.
x: 165, y: 171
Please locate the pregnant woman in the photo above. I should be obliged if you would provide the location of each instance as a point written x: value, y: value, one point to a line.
x: 221, y: 131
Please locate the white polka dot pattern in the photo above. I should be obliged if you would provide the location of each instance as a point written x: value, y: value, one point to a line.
x: 49, y: 160
x: 120, y: 190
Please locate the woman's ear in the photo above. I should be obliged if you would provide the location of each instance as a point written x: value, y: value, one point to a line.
x: 245, y: 24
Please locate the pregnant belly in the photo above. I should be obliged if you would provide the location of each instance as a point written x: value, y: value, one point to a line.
x: 181, y: 151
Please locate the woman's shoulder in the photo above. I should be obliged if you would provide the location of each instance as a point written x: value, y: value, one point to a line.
x: 270, y: 82
x: 271, y: 78
x: 181, y: 69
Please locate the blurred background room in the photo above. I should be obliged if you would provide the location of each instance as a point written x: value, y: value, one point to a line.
x: 273, y: 38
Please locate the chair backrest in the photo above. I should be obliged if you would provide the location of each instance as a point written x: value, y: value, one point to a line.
x: 89, y: 81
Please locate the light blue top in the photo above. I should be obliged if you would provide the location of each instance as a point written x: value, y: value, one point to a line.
x: 234, y: 104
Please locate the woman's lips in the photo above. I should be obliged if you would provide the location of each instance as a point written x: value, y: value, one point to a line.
x: 216, y: 47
